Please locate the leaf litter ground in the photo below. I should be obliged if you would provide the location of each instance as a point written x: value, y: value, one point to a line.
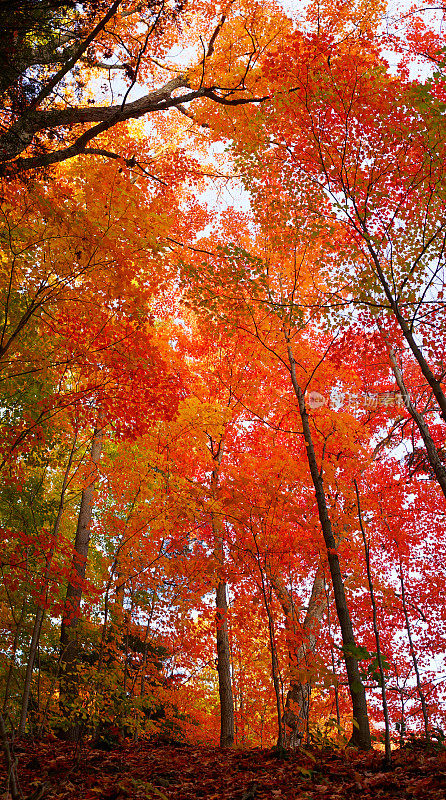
x: 53, y: 769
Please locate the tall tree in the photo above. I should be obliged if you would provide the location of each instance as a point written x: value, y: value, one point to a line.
x: 339, y: 147
x: 265, y: 297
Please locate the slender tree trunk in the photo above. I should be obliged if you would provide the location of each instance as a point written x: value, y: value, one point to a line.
x: 15, y: 644
x: 241, y: 706
x: 273, y: 648
x: 71, y: 614
x: 431, y: 448
x: 35, y: 638
x: 406, y: 329
x: 127, y: 618
x: 142, y: 688
x: 11, y: 763
x: 224, y: 669
x: 275, y: 672
x: 333, y: 665
x: 388, y: 751
x: 40, y: 613
x: 401, y: 724
x: 301, y: 641
x: 117, y: 607
x: 361, y: 729
x: 222, y: 633
x: 413, y: 654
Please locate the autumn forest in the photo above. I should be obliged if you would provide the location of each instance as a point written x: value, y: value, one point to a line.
x: 223, y: 373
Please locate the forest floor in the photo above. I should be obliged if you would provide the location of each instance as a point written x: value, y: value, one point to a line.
x: 53, y: 769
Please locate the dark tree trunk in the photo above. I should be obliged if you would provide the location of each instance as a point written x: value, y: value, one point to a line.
x: 388, y: 750
x: 224, y: 669
x: 361, y: 729
x: 222, y: 632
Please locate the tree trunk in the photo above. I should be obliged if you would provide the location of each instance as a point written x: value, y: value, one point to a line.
x: 222, y: 633
x: 35, y: 637
x: 11, y: 764
x: 431, y: 448
x: 272, y: 643
x: 301, y: 641
x: 406, y: 329
x: 379, y: 658
x: 15, y: 645
x: 70, y: 621
x: 40, y: 613
x: 224, y: 669
x: 413, y: 654
x: 361, y: 729
x: 333, y: 665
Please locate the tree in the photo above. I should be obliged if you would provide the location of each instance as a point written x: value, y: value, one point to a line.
x: 301, y: 644
x: 263, y: 297
x: 223, y: 648
x: 54, y: 53
x: 267, y: 384
x: 70, y: 619
x: 336, y: 148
